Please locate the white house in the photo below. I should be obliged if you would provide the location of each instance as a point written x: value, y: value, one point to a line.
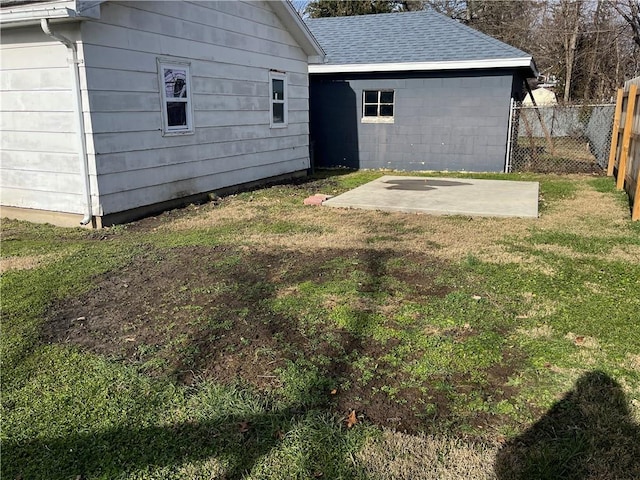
x: 542, y: 96
x: 111, y: 110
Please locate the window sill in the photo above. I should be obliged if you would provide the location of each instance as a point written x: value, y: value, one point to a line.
x: 177, y: 133
x: 377, y: 120
x: 279, y: 125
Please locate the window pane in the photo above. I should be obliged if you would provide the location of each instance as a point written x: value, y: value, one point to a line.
x: 278, y: 89
x: 177, y: 114
x: 175, y: 83
x: 370, y: 110
x: 278, y: 113
x: 370, y: 96
x: 386, y: 97
x: 386, y: 110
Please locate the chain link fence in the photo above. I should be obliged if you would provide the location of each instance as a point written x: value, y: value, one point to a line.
x: 560, y: 138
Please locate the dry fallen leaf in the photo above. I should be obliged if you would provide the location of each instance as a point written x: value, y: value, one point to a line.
x: 579, y: 340
x: 243, y: 427
x: 334, y: 391
x: 351, y: 419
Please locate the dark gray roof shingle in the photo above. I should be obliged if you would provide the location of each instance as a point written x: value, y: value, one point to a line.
x: 422, y: 36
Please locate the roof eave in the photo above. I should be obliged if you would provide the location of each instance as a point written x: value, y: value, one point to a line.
x: 520, y: 62
x: 298, y: 29
x: 30, y: 14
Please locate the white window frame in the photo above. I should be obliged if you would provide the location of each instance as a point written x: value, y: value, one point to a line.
x: 378, y: 118
x: 285, y: 101
x: 167, y: 130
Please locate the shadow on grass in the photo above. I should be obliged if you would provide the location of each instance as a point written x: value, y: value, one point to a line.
x: 288, y: 322
x: 230, y: 315
x: 229, y: 446
x: 300, y: 435
x: 589, y: 434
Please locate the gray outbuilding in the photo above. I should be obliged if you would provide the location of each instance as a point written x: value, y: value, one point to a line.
x: 412, y: 91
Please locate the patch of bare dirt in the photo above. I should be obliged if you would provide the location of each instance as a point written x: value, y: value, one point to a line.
x: 189, y: 312
x: 195, y: 313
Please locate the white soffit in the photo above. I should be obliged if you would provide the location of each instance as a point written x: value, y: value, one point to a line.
x: 424, y: 66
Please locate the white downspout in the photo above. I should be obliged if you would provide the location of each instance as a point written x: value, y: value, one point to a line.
x: 77, y: 101
x: 507, y: 161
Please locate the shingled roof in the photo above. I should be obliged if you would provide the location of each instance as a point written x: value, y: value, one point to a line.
x: 422, y: 40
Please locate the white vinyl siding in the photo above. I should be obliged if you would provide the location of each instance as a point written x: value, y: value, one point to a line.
x: 230, y: 48
x: 39, y: 162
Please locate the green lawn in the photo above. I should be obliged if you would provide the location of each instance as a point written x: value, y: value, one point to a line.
x: 236, y: 339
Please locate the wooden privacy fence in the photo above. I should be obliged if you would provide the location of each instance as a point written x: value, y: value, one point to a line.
x: 624, y: 156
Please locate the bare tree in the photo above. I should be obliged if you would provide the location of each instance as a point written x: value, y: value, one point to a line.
x: 630, y: 11
x: 456, y: 9
x: 342, y: 8
x: 514, y: 23
x: 569, y: 15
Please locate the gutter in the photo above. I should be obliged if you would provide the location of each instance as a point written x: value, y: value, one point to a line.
x: 425, y: 66
x: 62, y: 10
x: 77, y: 104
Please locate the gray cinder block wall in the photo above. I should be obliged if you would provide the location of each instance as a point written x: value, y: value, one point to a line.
x: 442, y: 121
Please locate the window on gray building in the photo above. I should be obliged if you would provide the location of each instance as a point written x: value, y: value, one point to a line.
x: 378, y: 106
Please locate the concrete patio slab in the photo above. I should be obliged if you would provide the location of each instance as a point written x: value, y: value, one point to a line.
x: 443, y: 196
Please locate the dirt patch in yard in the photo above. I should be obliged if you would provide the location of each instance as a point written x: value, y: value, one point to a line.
x: 233, y: 314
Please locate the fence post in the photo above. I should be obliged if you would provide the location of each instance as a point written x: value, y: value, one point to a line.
x: 616, y: 132
x: 626, y: 137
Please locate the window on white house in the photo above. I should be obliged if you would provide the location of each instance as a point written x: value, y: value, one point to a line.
x: 378, y: 106
x: 278, y: 100
x: 175, y: 89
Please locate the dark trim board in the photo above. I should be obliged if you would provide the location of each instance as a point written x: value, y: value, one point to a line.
x: 451, y: 120
x: 150, y: 210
